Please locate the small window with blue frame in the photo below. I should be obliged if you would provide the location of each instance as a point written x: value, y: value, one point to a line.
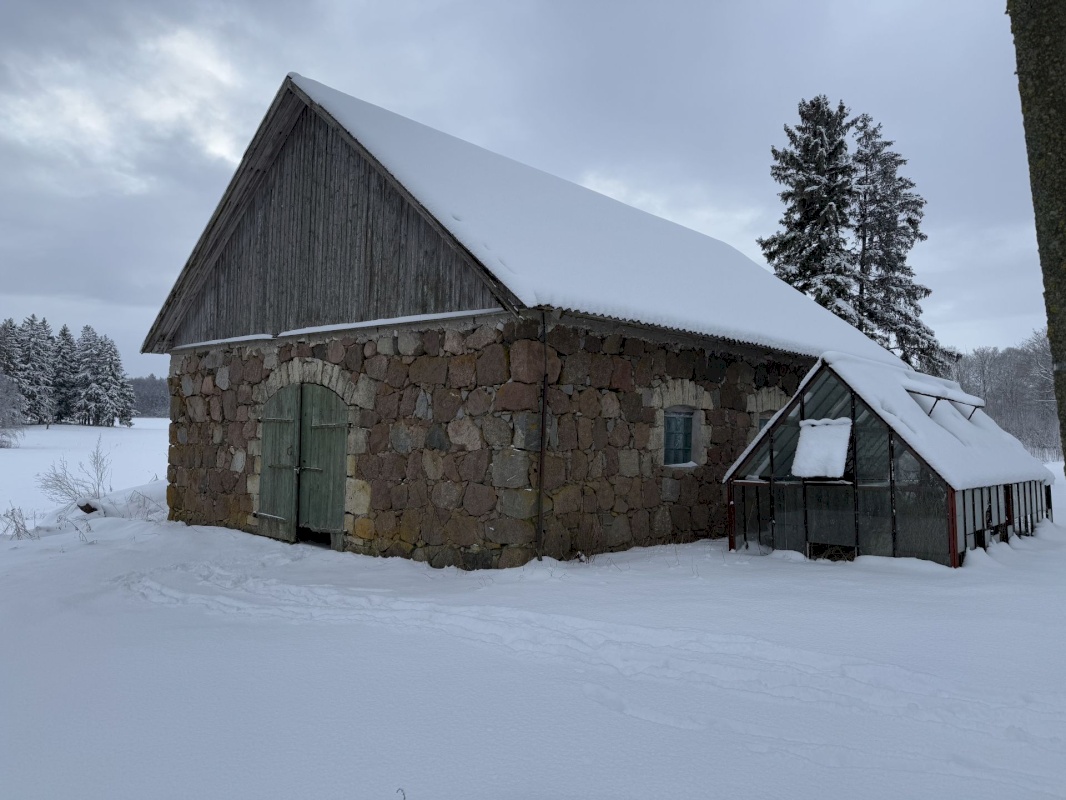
x: 677, y: 436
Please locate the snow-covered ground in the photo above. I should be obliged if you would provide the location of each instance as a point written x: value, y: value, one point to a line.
x: 138, y: 455
x: 150, y: 659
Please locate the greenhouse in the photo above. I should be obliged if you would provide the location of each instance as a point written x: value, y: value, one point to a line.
x: 871, y: 458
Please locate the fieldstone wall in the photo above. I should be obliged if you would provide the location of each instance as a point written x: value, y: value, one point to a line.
x: 445, y: 433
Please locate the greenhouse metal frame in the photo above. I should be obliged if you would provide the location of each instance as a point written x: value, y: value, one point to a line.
x: 888, y: 501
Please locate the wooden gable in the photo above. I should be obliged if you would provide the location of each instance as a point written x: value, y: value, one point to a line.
x: 313, y: 231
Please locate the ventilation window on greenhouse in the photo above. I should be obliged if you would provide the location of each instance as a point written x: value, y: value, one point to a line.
x: 822, y: 451
x: 677, y: 436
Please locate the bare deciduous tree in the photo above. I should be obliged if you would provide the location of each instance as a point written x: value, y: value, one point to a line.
x: 1018, y: 385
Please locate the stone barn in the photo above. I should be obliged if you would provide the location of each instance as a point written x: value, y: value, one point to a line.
x: 398, y: 343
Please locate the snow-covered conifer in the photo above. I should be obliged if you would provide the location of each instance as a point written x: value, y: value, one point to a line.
x: 38, y: 369
x: 117, y: 386
x: 66, y: 371
x: 811, y: 250
x: 888, y: 217
x: 93, y: 405
x: 10, y: 351
x: 850, y: 223
x: 11, y: 368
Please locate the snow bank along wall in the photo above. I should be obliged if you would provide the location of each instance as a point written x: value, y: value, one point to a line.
x: 442, y: 440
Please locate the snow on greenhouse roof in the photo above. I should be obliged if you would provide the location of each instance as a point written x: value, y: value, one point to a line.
x: 552, y: 242
x: 940, y: 422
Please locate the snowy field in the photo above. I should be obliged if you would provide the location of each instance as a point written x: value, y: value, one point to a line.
x: 138, y: 455
x: 147, y: 659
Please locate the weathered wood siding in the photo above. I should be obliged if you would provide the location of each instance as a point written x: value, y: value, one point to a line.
x: 326, y: 239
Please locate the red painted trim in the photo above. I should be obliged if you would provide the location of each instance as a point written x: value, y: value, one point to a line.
x: 953, y: 529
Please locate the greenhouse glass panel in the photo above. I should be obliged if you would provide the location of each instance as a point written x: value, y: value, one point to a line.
x: 921, y: 509
x: 871, y: 447
x: 788, y: 517
x: 751, y: 515
x: 830, y: 399
x: 815, y: 388
x: 757, y: 464
x: 766, y: 515
x: 875, y: 521
x: 738, y: 515
x: 907, y: 468
x: 786, y: 436
x: 831, y: 515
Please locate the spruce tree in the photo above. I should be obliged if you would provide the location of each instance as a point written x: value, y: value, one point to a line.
x: 64, y: 390
x: 93, y: 406
x: 811, y: 250
x: 11, y: 352
x: 38, y: 369
x: 850, y: 223
x: 11, y: 368
x: 888, y: 217
x: 117, y: 386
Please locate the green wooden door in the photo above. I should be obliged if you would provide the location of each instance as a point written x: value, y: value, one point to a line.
x: 323, y: 441
x: 305, y: 438
x: 281, y: 450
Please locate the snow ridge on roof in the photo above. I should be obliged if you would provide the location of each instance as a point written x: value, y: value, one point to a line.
x: 552, y: 242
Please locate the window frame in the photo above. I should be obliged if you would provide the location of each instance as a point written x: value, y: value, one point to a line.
x: 687, y: 414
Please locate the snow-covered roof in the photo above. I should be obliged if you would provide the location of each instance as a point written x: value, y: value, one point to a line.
x: 552, y: 242
x: 940, y: 422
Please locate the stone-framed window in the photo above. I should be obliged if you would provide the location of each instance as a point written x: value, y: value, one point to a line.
x: 677, y: 435
x: 680, y: 395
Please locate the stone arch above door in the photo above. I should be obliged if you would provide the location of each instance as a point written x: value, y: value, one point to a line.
x: 307, y: 370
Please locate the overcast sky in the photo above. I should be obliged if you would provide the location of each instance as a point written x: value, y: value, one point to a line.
x: 121, y: 123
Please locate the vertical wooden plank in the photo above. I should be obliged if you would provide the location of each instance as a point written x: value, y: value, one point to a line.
x: 323, y: 440
x: 326, y: 239
x: 281, y: 448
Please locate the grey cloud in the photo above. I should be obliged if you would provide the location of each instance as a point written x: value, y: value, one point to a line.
x: 677, y: 102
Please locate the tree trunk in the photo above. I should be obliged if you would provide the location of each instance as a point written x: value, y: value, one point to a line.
x: 1039, y: 28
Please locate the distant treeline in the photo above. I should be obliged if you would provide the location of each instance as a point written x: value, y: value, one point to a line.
x: 1018, y: 386
x: 151, y: 397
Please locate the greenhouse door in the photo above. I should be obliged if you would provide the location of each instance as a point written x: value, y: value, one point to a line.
x: 301, y: 491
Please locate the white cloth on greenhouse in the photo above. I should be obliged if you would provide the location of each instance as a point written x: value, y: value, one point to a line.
x: 822, y: 450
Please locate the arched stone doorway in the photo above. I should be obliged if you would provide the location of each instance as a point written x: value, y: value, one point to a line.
x: 301, y: 493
